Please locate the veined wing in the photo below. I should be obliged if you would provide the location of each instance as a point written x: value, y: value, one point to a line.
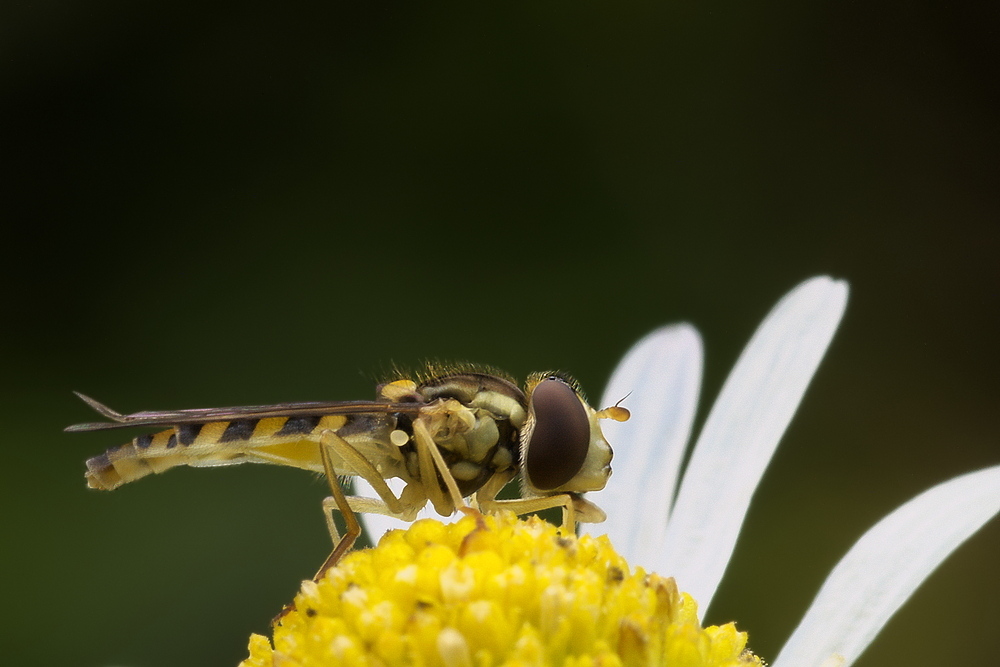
x: 204, y: 415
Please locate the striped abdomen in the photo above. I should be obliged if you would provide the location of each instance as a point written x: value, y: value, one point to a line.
x: 291, y: 441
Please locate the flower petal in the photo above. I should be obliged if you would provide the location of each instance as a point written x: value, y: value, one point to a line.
x: 742, y: 431
x: 887, y: 565
x: 661, y: 377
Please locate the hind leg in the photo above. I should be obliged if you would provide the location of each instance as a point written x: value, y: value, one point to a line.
x: 404, y: 506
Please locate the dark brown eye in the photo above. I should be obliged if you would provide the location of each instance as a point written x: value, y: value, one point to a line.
x: 559, y: 441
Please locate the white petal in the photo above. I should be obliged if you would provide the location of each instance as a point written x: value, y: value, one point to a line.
x: 742, y: 431
x: 661, y: 375
x: 883, y: 569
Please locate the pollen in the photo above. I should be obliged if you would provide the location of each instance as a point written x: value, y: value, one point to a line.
x: 492, y: 591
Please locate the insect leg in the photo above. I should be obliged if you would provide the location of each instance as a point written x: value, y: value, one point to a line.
x: 486, y: 496
x: 330, y: 504
x: 355, y: 460
x: 528, y: 505
x: 404, y: 507
x: 428, y: 458
x: 353, y: 528
x: 575, y: 508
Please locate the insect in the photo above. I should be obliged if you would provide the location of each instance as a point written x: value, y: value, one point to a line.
x: 447, y: 435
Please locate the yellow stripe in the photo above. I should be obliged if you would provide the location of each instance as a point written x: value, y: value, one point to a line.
x: 268, y: 426
x: 160, y: 439
x: 330, y: 422
x: 210, y: 433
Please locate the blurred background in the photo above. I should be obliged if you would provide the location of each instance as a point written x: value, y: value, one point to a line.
x: 243, y: 203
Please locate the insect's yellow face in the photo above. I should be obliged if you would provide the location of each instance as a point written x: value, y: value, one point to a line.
x: 563, y: 449
x: 596, y: 469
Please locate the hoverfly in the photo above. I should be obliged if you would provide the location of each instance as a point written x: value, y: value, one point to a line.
x: 447, y: 435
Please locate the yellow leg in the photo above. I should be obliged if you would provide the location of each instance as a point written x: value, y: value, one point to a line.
x: 486, y: 496
x: 353, y: 528
x: 528, y: 505
x: 390, y: 504
x: 341, y: 545
x: 430, y: 462
x: 360, y: 466
x: 487, y: 500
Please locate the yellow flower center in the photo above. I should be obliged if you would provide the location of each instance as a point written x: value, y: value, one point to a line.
x: 494, y: 591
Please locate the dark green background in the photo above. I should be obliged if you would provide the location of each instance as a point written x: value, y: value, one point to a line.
x: 233, y: 203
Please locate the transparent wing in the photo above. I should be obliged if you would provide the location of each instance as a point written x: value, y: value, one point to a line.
x: 661, y: 377
x: 742, y: 431
x: 203, y: 415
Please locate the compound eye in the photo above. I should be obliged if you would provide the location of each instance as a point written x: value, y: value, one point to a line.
x: 558, y: 443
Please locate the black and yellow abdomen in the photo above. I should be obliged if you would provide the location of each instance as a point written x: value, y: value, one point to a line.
x: 291, y: 441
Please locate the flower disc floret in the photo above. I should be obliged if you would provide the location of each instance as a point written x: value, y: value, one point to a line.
x: 493, y: 591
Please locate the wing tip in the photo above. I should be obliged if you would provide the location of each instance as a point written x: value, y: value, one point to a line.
x: 100, y: 408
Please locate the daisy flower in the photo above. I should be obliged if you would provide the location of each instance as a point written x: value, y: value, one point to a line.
x: 687, y: 527
x: 500, y: 591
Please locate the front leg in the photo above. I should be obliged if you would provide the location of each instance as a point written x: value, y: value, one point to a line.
x: 528, y: 505
x: 575, y: 507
